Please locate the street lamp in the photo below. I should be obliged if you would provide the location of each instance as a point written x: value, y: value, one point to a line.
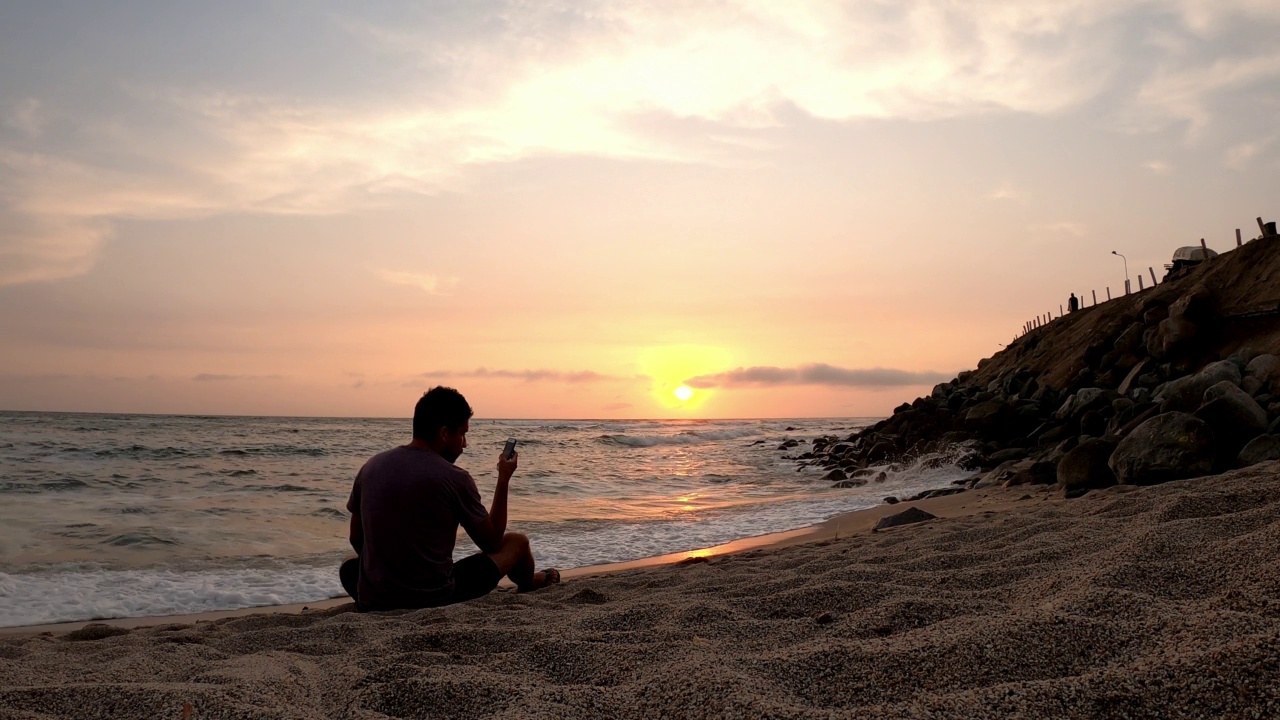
x: 1126, y: 271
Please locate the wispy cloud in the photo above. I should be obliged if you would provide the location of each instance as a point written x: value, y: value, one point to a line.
x: 1073, y: 229
x: 215, y: 377
x: 1239, y: 156
x: 430, y: 284
x: 27, y: 116
x: 475, y: 88
x: 581, y: 376
x: 817, y: 374
x: 1007, y: 192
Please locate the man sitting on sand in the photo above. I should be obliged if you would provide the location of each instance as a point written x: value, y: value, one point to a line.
x: 406, y: 506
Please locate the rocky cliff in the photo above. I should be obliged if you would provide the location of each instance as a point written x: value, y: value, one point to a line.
x: 1177, y: 381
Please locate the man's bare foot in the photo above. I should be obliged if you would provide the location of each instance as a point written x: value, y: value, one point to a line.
x: 549, y: 576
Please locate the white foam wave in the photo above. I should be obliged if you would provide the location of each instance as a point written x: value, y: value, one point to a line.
x: 73, y: 595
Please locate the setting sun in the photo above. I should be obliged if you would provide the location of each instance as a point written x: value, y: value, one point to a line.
x: 683, y: 393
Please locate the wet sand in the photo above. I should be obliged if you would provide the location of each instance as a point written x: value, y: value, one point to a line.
x: 1148, y: 602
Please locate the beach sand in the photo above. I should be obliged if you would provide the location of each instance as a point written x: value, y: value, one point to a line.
x: 1129, y: 602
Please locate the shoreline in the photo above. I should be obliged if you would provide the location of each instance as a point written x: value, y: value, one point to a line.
x: 842, y: 525
x: 1129, y: 601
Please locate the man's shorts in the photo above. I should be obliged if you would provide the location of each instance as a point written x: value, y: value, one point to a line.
x: 474, y: 576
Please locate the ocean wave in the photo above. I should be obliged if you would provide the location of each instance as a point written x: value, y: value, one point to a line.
x: 279, y: 488
x: 275, y: 451
x: 140, y: 539
x: 59, y: 485
x: 695, y: 437
x: 79, y: 594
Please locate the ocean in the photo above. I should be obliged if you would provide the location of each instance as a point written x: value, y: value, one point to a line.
x: 108, y: 516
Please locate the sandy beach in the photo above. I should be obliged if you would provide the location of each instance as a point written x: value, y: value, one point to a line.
x: 1161, y: 601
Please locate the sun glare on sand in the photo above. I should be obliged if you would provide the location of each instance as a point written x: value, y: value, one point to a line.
x: 683, y: 393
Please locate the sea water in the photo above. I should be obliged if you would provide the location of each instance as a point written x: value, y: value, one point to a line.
x: 105, y: 516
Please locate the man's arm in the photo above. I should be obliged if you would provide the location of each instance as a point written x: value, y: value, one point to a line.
x: 488, y: 533
x: 357, y: 533
x: 353, y: 506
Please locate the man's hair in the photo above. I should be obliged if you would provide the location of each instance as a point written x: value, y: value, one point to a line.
x: 439, y: 407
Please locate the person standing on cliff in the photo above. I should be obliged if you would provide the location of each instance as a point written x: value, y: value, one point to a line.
x: 406, y: 506
x: 1073, y: 303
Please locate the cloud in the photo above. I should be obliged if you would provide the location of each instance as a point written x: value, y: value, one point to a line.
x: 213, y: 377
x: 505, y: 81
x: 429, y: 284
x: 1063, y: 228
x: 817, y: 374
x: 1007, y: 192
x: 1240, y: 155
x: 36, y: 248
x: 27, y: 116
x: 582, y: 376
x: 1187, y: 94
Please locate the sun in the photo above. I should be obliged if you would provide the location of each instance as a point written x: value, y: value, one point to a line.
x: 683, y: 393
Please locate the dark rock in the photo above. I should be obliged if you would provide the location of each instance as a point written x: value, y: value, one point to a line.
x: 834, y: 475
x: 1130, y: 339
x: 906, y: 517
x: 1155, y: 314
x: 825, y: 618
x: 1084, y: 401
x: 1170, y: 446
x: 1259, y: 449
x: 1266, y: 370
x: 1040, y: 473
x: 891, y: 500
x: 1085, y: 467
x: 1056, y: 434
x: 938, y: 492
x: 1093, y: 423
x: 1187, y: 393
x: 1007, y: 454
x: 1233, y: 416
x: 852, y: 482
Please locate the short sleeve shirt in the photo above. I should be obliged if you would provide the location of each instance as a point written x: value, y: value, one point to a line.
x: 411, y: 501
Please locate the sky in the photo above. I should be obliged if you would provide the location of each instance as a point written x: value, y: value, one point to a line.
x: 574, y: 210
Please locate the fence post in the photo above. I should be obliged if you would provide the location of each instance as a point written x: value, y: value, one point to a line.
x: 1108, y: 292
x: 1095, y: 296
x: 1059, y: 309
x: 1238, y: 243
x: 1262, y: 227
x: 1140, y: 288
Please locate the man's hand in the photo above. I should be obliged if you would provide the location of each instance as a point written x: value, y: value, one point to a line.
x: 507, y: 467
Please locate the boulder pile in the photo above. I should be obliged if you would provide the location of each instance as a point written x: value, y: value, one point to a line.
x: 1161, y: 387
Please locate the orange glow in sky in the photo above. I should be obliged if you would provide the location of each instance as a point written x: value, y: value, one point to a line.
x: 600, y: 210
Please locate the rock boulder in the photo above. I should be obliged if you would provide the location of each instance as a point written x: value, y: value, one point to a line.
x: 1260, y: 449
x: 1233, y: 416
x: 1085, y: 467
x: 1170, y: 446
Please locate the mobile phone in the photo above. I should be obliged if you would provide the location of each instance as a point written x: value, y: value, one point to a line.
x: 509, y: 449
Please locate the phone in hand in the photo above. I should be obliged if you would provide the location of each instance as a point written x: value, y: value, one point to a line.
x: 509, y: 449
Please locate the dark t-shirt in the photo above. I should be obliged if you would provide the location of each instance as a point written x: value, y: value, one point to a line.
x: 410, y: 503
